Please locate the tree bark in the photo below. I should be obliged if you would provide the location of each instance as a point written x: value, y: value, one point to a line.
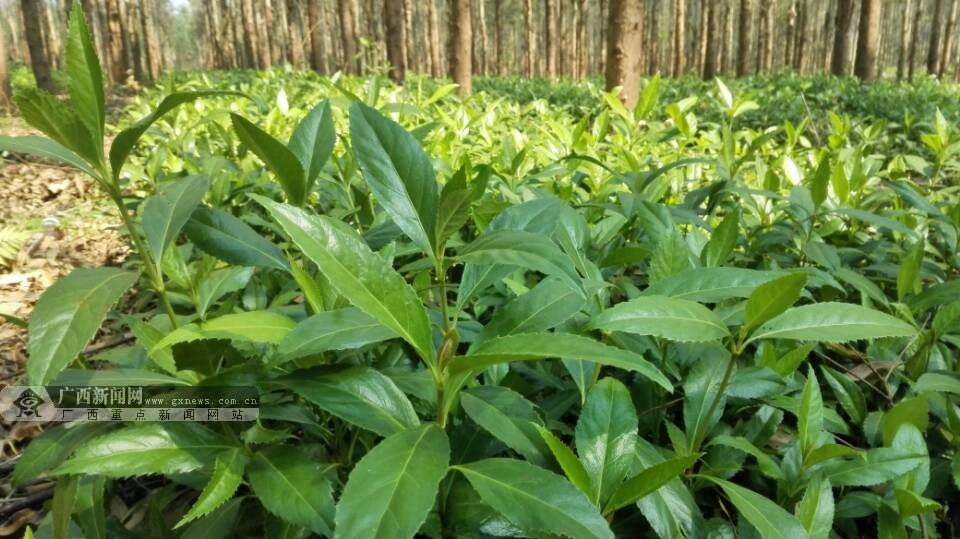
x: 433, y: 39
x: 800, y: 37
x: 745, y: 37
x: 580, y: 56
x: 151, y: 45
x: 483, y: 55
x: 118, y: 65
x: 396, y: 40
x: 906, y: 35
x: 318, y: 61
x: 933, y: 50
x: 550, y: 37
x: 653, y: 59
x: 623, y: 46
x: 946, y: 52
x: 703, y: 35
x: 348, y: 36
x: 711, y: 56
x: 679, y: 22
x: 529, y: 65
x: 5, y: 92
x: 33, y: 32
x: 868, y: 41
x: 460, y: 45
x: 841, y: 39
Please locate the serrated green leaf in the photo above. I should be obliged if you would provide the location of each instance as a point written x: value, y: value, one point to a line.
x: 358, y: 274
x: 832, y: 322
x: 165, y: 213
x: 810, y: 414
x: 358, y: 394
x: 509, y: 417
x: 722, y: 241
x: 251, y: 326
x: 772, y: 298
x: 399, y: 174
x: 231, y: 240
x: 606, y: 437
x: 48, y: 149
x: 669, y: 318
x: 68, y: 315
x: 52, y: 447
x: 313, y: 139
x: 340, y: 329
x: 710, y: 285
x: 219, y: 283
x: 85, y: 79
x: 771, y: 520
x: 394, y: 486
x: 534, y: 499
x: 544, y: 307
x: 525, y: 249
x: 648, y: 481
x: 156, y: 448
x: 533, y: 346
x: 226, y: 478
x: 816, y: 508
x: 568, y: 461
x: 293, y: 486
x: 278, y: 158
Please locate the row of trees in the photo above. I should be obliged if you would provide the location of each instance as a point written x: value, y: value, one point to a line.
x: 533, y: 38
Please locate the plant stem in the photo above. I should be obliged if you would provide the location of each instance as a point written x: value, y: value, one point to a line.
x: 721, y: 389
x: 155, y: 280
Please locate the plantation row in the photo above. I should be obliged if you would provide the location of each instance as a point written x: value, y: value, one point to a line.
x: 501, y: 317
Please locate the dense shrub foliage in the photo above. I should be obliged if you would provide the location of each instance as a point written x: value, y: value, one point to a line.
x: 711, y: 315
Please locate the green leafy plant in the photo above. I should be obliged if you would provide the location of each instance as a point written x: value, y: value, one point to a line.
x: 468, y: 318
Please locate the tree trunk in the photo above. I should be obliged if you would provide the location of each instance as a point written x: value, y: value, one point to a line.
x: 134, y: 41
x: 946, y: 52
x: 580, y: 56
x: 868, y: 41
x: 318, y: 61
x: 710, y: 54
x: 348, y: 35
x: 529, y: 67
x: 51, y: 35
x: 250, y: 46
x: 433, y: 40
x: 151, y: 45
x: 484, y: 53
x: 396, y: 41
x: 679, y: 61
x: 32, y: 29
x: 800, y: 36
x: 550, y: 37
x: 728, y: 62
x: 653, y: 59
x: 745, y: 37
x: 934, y: 49
x: 703, y: 37
x: 118, y: 67
x: 5, y: 93
x: 460, y: 45
x: 906, y: 35
x: 841, y: 39
x: 623, y: 47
